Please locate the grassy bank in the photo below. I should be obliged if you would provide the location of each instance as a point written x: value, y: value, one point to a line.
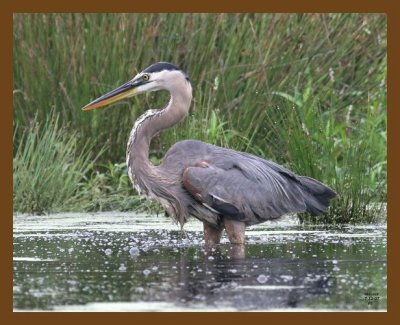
x: 305, y: 90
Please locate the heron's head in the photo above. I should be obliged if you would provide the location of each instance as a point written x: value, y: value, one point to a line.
x: 161, y: 75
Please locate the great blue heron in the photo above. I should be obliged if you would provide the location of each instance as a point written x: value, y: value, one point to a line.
x: 223, y: 188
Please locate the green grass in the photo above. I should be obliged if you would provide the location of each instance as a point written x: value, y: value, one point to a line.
x: 348, y: 158
x: 48, y: 168
x: 305, y: 90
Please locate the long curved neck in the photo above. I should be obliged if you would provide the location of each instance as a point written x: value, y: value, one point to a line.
x: 147, y: 126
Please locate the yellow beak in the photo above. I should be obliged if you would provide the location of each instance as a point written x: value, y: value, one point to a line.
x: 128, y: 89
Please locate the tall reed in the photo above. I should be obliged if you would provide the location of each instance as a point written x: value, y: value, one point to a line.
x: 48, y: 167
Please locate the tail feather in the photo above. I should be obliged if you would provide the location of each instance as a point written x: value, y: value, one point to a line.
x: 318, y: 195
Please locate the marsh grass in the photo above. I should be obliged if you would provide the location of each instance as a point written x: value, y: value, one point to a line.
x: 48, y: 167
x: 321, y: 147
x: 305, y: 90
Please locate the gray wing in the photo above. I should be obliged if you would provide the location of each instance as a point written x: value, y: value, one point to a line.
x: 231, y: 193
x: 251, y: 189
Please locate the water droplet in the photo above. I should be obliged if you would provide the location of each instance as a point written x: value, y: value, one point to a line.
x: 122, y: 268
x: 262, y: 278
x: 286, y: 278
x: 146, y: 272
x: 134, y: 251
x: 108, y: 251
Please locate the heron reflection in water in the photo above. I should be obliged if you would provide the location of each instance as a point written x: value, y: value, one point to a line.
x: 223, y: 188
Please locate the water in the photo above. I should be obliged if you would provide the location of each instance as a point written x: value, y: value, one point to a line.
x: 128, y: 262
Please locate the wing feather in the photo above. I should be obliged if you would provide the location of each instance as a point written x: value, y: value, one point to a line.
x: 243, y: 186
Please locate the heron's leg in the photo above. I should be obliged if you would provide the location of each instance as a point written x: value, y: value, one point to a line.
x: 237, y: 251
x: 235, y: 230
x: 212, y: 235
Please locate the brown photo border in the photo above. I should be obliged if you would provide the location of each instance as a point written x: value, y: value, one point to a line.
x: 383, y: 6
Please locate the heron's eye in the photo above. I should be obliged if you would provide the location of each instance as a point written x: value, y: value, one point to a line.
x: 146, y: 77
